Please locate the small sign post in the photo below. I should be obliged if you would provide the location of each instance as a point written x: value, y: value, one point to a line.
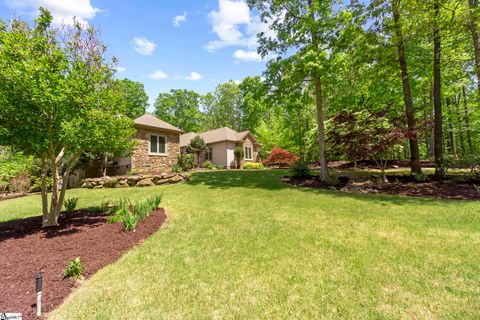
x: 38, y: 289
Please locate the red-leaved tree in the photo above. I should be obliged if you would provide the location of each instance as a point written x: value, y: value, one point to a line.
x: 280, y: 157
x: 365, y: 135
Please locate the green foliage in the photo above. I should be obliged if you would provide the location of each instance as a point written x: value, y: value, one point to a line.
x: 129, y: 214
x: 300, y: 169
x: 197, y: 146
x: 477, y: 188
x: 74, y: 269
x: 57, y: 89
x: 111, y: 183
x: 223, y: 107
x: 181, y: 108
x: 70, y: 204
x: 132, y: 98
x: 185, y: 161
x: 238, y: 152
x: 208, y: 165
x: 253, y: 166
x: 176, y: 168
x: 420, y: 177
x: 103, y: 208
x: 333, y: 179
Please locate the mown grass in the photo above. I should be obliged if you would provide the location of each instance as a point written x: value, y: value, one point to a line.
x: 244, y: 245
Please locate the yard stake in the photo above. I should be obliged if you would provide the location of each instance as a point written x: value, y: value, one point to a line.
x: 38, y: 289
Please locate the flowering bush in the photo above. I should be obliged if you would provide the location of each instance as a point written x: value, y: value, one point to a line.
x: 280, y: 157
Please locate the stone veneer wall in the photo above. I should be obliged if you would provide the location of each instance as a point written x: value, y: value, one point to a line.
x: 249, y: 143
x: 143, y: 162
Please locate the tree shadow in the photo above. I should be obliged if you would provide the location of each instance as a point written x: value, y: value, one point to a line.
x: 271, y: 180
x: 68, y: 224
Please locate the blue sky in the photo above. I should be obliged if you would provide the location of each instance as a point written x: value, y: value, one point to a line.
x: 181, y: 44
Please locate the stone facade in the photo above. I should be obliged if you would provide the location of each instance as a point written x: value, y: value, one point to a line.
x: 145, y: 162
x: 249, y: 142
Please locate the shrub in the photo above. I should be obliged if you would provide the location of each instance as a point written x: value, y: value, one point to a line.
x: 343, y: 180
x: 253, y: 165
x: 70, y: 204
x: 300, y: 170
x: 36, y: 184
x: 74, y: 269
x: 420, y: 177
x: 238, y: 153
x: 332, y: 179
x: 186, y: 161
x: 208, y: 165
x: 477, y: 188
x: 176, y: 168
x: 20, y: 183
x: 111, y: 183
x: 280, y: 157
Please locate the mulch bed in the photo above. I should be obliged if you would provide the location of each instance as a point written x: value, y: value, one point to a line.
x: 401, y: 185
x: 26, y: 249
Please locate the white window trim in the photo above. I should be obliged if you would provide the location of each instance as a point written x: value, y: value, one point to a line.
x: 251, y: 153
x: 157, y: 153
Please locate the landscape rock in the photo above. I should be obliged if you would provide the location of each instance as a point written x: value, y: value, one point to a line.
x: 147, y: 182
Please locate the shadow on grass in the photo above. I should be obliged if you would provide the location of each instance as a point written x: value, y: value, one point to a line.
x: 271, y: 180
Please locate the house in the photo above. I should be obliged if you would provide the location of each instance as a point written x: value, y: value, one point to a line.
x: 157, y: 148
x: 221, y: 144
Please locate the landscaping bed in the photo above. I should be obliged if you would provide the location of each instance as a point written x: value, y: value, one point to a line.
x: 28, y: 249
x: 142, y: 180
x: 404, y: 185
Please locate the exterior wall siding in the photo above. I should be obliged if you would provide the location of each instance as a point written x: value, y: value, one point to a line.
x: 144, y: 162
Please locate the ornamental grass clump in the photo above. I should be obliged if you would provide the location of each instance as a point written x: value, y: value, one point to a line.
x: 130, y: 214
x: 70, y: 204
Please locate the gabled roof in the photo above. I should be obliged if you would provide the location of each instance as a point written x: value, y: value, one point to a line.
x: 150, y: 121
x: 216, y: 135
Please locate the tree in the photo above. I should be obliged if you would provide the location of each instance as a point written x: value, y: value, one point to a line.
x: 311, y: 29
x: 56, y: 94
x: 407, y: 92
x: 180, y: 108
x: 133, y: 98
x: 437, y: 94
x: 197, y: 146
x: 254, y: 106
x: 362, y: 135
x: 222, y: 107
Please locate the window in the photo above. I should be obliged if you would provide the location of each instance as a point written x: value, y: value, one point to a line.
x: 158, y: 144
x: 209, y: 154
x: 248, y: 153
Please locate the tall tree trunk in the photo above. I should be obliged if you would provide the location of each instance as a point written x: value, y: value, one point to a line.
x: 451, y: 130
x: 321, y: 128
x: 437, y: 94
x: 407, y: 93
x: 459, y: 124
x: 473, y: 4
x: 467, y: 120
x: 431, y: 126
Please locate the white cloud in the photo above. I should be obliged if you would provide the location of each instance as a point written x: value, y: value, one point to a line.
x: 62, y: 11
x: 157, y: 75
x: 179, y: 19
x: 247, y: 55
x: 120, y: 69
x: 144, y: 46
x: 194, y: 76
x: 235, y: 25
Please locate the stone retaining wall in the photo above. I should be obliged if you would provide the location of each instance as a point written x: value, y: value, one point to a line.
x: 144, y: 180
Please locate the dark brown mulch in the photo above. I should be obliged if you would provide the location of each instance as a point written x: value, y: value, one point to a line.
x: 26, y: 249
x: 403, y: 185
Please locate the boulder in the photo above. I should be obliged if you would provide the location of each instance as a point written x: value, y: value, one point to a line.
x: 132, y: 180
x: 147, y: 182
x: 168, y: 175
x: 176, y: 178
x: 161, y: 181
x: 156, y: 178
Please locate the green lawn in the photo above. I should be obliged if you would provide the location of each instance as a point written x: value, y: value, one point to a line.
x: 244, y: 245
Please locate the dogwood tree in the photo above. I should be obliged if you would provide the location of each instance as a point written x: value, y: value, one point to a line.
x: 56, y: 90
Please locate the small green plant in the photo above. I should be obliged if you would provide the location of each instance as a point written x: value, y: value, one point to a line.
x: 129, y: 220
x: 74, y: 269
x: 102, y: 208
x: 70, y: 204
x: 332, y: 179
x: 176, y: 168
x: 208, y: 165
x: 253, y: 166
x: 420, y: 177
x: 477, y: 188
x: 111, y: 183
x: 300, y: 169
x: 154, y: 202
